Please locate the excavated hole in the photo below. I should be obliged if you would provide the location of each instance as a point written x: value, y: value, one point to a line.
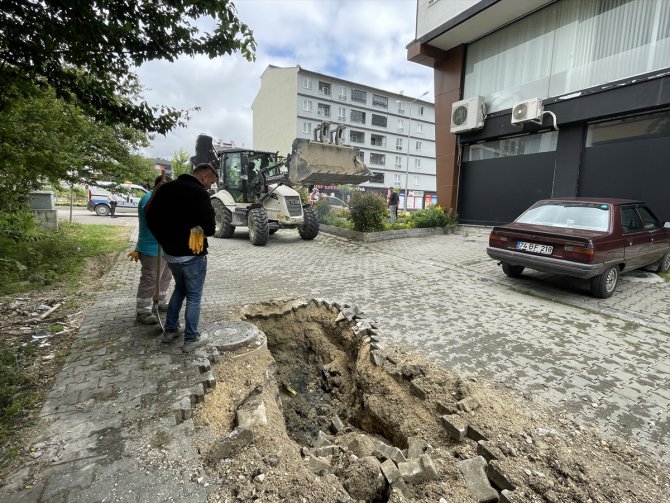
x: 316, y: 373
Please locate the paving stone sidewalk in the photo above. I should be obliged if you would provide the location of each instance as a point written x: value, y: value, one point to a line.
x: 110, y: 422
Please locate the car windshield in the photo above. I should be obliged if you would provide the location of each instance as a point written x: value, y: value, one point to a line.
x: 593, y: 217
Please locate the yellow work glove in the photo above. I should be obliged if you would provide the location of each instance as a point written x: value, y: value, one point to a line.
x: 133, y: 255
x: 196, y: 241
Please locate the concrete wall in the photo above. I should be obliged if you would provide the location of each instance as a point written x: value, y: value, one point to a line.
x: 433, y: 13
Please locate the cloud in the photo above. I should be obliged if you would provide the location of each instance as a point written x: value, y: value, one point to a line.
x: 362, y: 41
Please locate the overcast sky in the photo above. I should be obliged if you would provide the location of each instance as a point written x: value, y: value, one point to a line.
x: 362, y: 41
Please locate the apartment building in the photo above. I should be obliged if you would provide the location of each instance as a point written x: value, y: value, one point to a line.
x: 547, y: 98
x: 395, y: 133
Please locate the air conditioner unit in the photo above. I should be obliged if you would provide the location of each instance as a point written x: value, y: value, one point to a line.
x: 467, y: 115
x: 527, y: 111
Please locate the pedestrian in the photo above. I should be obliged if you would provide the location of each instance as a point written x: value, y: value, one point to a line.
x: 393, y: 200
x: 314, y: 196
x: 146, y: 252
x: 180, y: 215
x: 113, y: 201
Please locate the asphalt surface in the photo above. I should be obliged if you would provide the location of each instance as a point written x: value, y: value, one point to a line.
x: 607, y: 362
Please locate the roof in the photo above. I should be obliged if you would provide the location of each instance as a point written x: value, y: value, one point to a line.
x: 595, y: 200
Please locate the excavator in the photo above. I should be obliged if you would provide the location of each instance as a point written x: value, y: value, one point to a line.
x: 255, y: 188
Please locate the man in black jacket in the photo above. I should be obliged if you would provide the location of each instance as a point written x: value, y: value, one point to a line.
x: 178, y: 215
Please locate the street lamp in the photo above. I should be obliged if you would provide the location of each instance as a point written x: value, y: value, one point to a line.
x: 409, y: 132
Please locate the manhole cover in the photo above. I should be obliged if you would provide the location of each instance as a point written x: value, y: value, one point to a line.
x: 232, y: 335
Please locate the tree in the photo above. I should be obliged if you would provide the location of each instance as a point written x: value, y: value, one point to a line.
x: 181, y: 163
x: 49, y: 140
x: 86, y: 50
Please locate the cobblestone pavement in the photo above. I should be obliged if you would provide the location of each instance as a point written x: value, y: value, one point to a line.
x: 605, y: 361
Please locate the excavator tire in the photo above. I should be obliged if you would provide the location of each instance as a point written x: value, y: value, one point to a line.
x: 258, y: 227
x: 224, y: 227
x: 310, y: 227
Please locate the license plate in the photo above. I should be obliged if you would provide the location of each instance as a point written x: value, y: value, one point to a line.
x: 534, y: 248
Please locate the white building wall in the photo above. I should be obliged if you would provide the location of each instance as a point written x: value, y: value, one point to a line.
x: 317, y: 97
x: 274, y: 110
x: 433, y: 13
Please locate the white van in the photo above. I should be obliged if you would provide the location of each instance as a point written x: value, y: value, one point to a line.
x: 128, y: 196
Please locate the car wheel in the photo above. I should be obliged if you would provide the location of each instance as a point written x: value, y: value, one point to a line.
x: 258, y: 227
x: 223, y: 220
x: 102, y: 210
x: 310, y: 226
x: 664, y: 264
x: 513, y: 271
x: 603, y: 285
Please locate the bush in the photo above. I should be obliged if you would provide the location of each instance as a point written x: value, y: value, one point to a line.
x: 433, y: 216
x: 368, y: 212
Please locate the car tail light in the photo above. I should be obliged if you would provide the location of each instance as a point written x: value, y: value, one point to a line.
x: 581, y: 252
x: 497, y: 241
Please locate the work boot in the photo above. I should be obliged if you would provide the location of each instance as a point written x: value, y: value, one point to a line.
x: 146, y: 319
x: 162, y: 308
x: 199, y: 341
x: 170, y: 335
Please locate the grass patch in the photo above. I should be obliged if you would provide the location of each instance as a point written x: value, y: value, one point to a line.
x: 665, y: 276
x: 57, y: 256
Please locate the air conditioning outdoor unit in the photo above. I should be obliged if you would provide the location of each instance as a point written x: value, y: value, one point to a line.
x: 467, y: 115
x: 527, y: 111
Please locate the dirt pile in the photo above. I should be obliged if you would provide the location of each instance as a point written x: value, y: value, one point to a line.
x: 329, y: 413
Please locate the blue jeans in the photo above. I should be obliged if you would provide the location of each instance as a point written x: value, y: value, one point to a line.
x: 189, y: 280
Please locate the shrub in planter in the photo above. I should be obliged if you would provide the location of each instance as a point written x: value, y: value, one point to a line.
x: 433, y: 216
x: 368, y: 212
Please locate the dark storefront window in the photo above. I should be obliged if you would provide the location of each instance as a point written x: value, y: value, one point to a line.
x: 646, y: 126
x: 509, y: 147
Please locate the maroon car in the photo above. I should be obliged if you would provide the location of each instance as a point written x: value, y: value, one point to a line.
x: 583, y: 237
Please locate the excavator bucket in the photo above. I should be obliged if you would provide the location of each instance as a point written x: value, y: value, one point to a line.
x: 326, y: 161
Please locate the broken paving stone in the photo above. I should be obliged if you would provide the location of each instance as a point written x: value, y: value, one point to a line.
x: 448, y: 408
x: 348, y: 313
x: 418, y: 470
x: 376, y: 358
x: 475, y: 433
x: 390, y: 471
x: 498, y: 477
x: 486, y: 450
x: 474, y: 474
x: 326, y: 450
x: 317, y: 464
x: 229, y: 446
x: 336, y: 424
x: 415, y: 447
x: 417, y: 391
x: 455, y: 426
x: 389, y: 452
x: 321, y: 440
x: 361, y: 328
x: 252, y: 417
x: 468, y: 404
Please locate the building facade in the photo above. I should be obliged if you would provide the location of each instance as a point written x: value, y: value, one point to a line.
x: 574, y: 98
x: 395, y: 133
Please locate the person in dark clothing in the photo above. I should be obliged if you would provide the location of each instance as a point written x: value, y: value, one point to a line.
x: 180, y: 215
x: 393, y: 200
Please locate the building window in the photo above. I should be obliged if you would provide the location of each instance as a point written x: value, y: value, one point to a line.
x: 380, y: 101
x: 341, y: 114
x: 401, y: 107
x: 359, y: 96
x: 398, y: 144
x: 418, y: 146
x: 358, y: 116
x: 307, y: 83
x: 396, y: 179
x: 323, y: 110
x: 398, y: 162
x: 379, y: 159
x: 417, y: 163
x: 324, y: 88
x: 307, y: 105
x: 361, y: 155
x: 341, y: 93
x: 417, y: 181
x: 378, y: 140
x: 401, y: 126
x: 378, y: 177
x: 419, y: 128
x: 378, y: 120
x: 566, y: 47
x: 421, y: 110
x: 640, y: 127
x: 306, y: 127
x: 356, y: 137
x: 508, y: 147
